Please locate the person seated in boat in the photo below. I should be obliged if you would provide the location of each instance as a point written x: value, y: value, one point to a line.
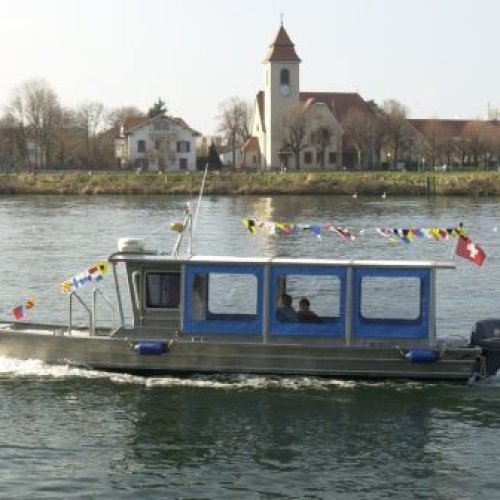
x: 305, y: 314
x: 285, y: 311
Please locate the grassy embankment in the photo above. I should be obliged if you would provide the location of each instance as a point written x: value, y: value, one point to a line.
x: 334, y: 183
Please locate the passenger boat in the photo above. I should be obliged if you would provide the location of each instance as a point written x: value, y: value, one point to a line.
x: 212, y: 314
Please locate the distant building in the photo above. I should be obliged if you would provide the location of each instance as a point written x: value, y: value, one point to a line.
x: 203, y: 143
x: 493, y: 114
x: 282, y: 96
x: 159, y: 143
x: 442, y: 143
x: 225, y: 153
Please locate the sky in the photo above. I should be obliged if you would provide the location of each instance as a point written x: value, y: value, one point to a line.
x: 437, y: 57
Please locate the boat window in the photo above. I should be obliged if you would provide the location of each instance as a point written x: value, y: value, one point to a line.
x: 390, y: 297
x: 232, y: 295
x: 321, y: 291
x: 163, y: 290
x: 223, y: 299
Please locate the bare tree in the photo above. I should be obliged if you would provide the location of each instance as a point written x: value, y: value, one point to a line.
x: 233, y: 123
x: 90, y: 117
x: 438, y: 142
x: 491, y: 139
x: 321, y: 138
x: 65, y: 141
x: 360, y: 128
x: 295, y: 132
x: 118, y: 116
x: 475, y: 133
x: 394, y: 127
x: 34, y: 108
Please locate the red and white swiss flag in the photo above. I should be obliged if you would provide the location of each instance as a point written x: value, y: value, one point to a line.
x: 470, y: 251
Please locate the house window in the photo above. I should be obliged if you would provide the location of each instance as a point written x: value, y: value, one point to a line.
x: 183, y: 164
x: 141, y: 146
x: 332, y: 158
x: 158, y: 144
x: 308, y: 157
x: 254, y: 159
x: 183, y: 146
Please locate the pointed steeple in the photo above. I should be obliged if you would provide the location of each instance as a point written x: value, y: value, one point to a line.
x: 282, y: 49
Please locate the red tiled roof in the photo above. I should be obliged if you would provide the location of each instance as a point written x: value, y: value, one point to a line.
x: 338, y: 102
x: 133, y: 122
x: 179, y: 121
x: 282, y: 49
x: 454, y: 128
x: 251, y: 144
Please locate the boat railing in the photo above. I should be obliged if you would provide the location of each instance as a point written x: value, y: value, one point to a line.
x: 91, y: 311
x: 73, y: 295
x: 111, y: 306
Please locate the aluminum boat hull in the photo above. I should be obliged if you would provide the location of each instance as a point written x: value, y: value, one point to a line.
x: 187, y: 356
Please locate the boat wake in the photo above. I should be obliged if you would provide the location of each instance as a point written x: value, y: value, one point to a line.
x: 16, y: 368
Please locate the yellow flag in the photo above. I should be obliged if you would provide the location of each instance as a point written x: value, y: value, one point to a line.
x: 103, y: 267
x: 178, y: 227
x: 250, y: 225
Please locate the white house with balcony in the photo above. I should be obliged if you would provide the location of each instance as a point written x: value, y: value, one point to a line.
x: 161, y: 143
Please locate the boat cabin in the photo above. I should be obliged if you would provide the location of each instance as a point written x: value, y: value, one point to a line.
x: 276, y: 300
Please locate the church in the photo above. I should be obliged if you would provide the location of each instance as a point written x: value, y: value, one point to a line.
x: 293, y: 128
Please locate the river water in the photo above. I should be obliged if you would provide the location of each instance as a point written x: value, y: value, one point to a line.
x: 71, y: 433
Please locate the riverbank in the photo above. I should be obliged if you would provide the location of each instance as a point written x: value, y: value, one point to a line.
x: 266, y: 183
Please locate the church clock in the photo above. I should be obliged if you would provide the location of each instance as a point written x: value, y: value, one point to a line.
x: 285, y: 89
x: 285, y: 82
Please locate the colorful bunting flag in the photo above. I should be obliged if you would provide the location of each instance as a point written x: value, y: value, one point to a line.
x: 407, y: 235
x: 250, y: 225
x: 94, y: 273
x: 392, y: 234
x: 22, y: 310
x: 343, y: 232
x: 18, y: 312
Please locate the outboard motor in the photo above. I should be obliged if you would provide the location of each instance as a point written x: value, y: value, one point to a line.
x: 486, y: 334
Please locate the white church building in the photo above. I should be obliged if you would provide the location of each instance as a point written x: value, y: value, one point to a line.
x: 282, y: 111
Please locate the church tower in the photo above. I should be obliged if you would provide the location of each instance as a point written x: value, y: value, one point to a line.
x: 281, y: 91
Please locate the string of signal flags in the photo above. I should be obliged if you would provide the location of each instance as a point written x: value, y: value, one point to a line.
x: 93, y: 274
x: 464, y: 248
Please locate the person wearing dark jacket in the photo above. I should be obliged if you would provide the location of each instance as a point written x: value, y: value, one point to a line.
x: 305, y: 314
